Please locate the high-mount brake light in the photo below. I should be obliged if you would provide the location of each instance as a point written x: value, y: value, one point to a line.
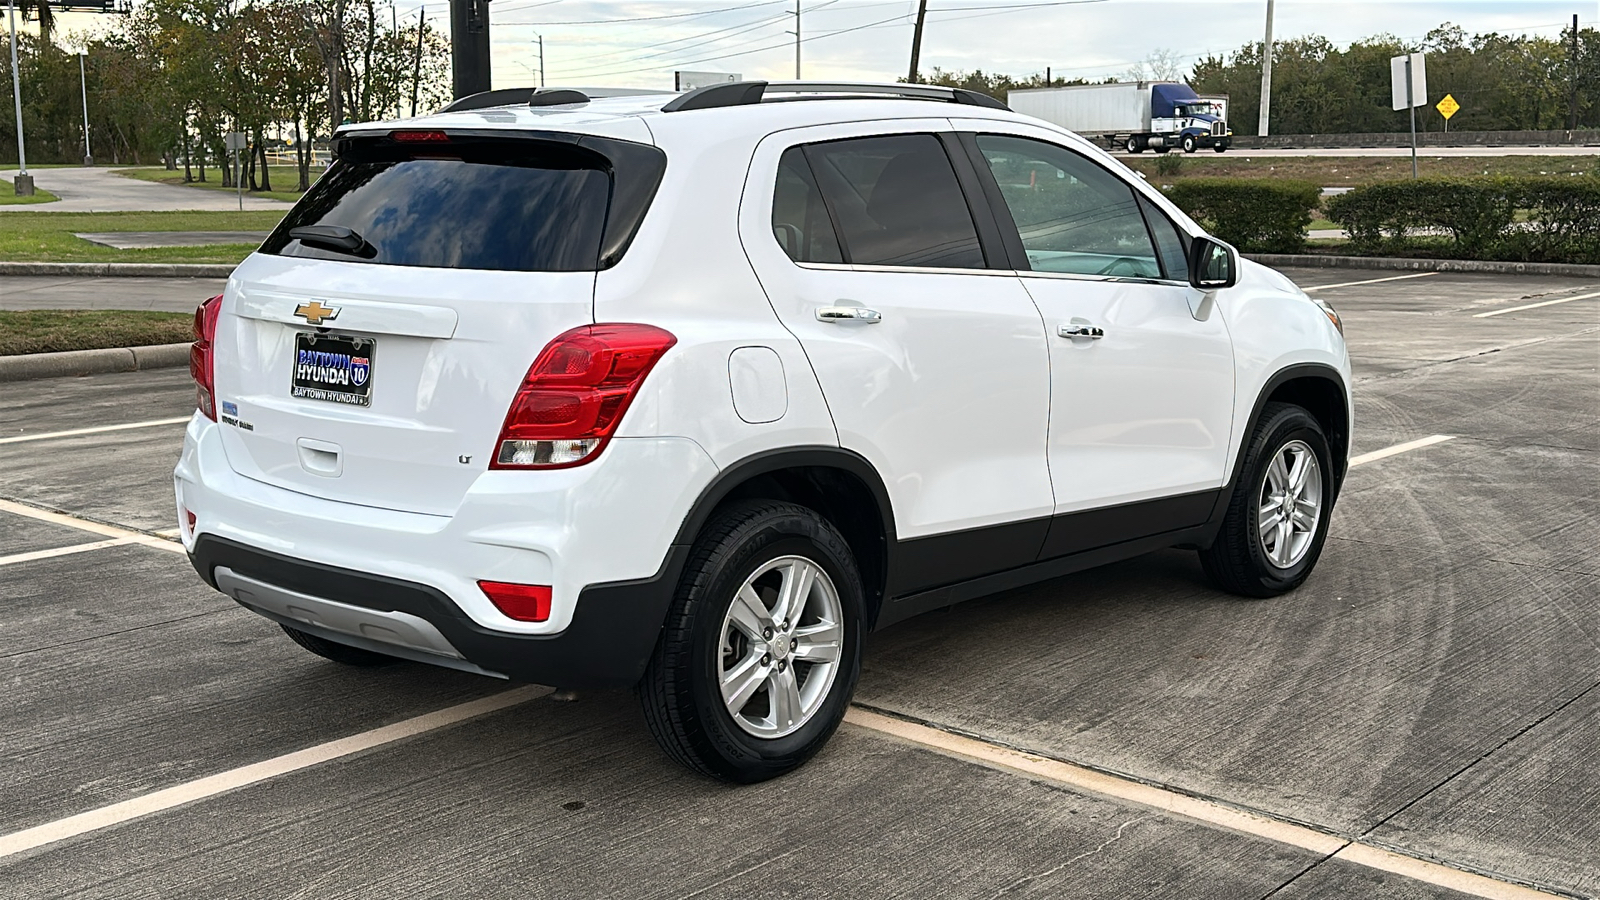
x: 419, y: 137
x: 202, y: 356
x: 523, y: 602
x: 575, y: 393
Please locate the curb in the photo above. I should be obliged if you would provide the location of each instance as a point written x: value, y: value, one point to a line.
x: 93, y: 362
x: 1486, y: 267
x: 118, y: 270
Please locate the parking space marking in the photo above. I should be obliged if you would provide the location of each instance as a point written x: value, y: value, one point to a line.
x: 61, y: 551
x: 233, y: 779
x: 1501, y: 312
x: 1323, y: 287
x: 96, y: 430
x: 111, y: 531
x: 1397, y: 449
x: 1210, y: 812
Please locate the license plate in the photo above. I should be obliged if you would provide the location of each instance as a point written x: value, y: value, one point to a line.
x: 333, y: 368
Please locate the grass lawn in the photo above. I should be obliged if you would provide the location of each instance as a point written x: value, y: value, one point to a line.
x: 1350, y: 171
x: 8, y: 195
x: 50, y: 237
x: 53, y: 330
x: 282, y: 177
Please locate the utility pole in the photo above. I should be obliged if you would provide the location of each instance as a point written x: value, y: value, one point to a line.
x: 916, y: 41
x: 1266, y: 74
x: 394, y: 29
x: 24, y: 182
x: 1572, y: 67
x: 541, y: 60
x: 416, y: 65
x: 83, y: 81
x: 469, y: 47
x: 796, y: 40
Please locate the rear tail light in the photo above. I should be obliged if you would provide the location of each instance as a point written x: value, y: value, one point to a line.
x: 202, y: 359
x: 523, y: 602
x: 419, y: 137
x: 575, y: 394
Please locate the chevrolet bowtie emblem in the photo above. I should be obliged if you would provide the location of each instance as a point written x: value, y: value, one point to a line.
x: 314, y: 312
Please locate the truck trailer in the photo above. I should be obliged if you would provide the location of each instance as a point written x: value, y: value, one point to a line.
x: 1133, y: 115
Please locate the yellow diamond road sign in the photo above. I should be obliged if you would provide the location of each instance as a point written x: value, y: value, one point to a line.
x: 1448, y: 106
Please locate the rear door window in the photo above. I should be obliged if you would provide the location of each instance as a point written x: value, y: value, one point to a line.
x: 799, y: 220
x: 897, y: 202
x: 510, y: 205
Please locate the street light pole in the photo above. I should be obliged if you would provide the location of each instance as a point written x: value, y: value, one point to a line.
x: 24, y: 182
x: 83, y: 81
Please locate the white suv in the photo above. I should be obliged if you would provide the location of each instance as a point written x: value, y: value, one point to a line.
x: 690, y: 392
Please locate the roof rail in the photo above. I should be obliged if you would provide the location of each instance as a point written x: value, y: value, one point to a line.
x: 517, y: 97
x: 745, y: 93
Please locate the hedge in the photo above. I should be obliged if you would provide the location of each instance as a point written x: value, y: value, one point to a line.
x: 1254, y: 215
x: 1518, y: 219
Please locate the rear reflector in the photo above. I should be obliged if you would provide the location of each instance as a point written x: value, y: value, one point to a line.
x: 523, y: 602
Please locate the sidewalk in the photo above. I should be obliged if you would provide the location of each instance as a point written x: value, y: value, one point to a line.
x: 47, y: 292
x: 97, y: 190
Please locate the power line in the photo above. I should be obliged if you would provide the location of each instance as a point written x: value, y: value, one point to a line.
x: 708, y: 12
x: 735, y: 29
x: 649, y: 55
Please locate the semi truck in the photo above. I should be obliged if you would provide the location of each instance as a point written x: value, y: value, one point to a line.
x: 1132, y: 115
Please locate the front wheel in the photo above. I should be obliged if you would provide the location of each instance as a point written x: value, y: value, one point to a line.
x: 1189, y: 144
x: 761, y: 649
x: 1277, y: 518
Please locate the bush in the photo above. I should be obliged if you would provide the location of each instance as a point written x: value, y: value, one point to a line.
x: 1254, y: 215
x: 1522, y: 219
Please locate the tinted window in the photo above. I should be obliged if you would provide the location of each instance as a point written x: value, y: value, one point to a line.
x: 1170, y: 242
x: 897, y: 202
x: 1073, y: 216
x: 799, y: 220
x: 509, y: 205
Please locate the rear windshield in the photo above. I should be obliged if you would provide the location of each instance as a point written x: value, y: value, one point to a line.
x: 510, y: 205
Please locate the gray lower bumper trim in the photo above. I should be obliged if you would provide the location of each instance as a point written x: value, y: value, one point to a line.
x: 393, y: 633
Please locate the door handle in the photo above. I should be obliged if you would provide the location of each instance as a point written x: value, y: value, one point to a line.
x: 850, y: 314
x: 1074, y: 331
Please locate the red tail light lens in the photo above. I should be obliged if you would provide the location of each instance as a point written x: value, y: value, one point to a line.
x: 523, y: 602
x: 202, y: 361
x: 419, y: 137
x: 575, y: 394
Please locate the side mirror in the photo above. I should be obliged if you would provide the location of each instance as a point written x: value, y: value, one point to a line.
x: 1212, y: 265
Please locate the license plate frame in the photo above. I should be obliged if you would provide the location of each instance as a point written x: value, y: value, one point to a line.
x: 343, y: 373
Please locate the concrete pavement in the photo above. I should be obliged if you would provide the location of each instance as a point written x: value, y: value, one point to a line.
x: 46, y: 292
x: 98, y: 190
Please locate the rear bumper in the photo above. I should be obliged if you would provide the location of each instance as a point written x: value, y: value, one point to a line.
x: 607, y: 644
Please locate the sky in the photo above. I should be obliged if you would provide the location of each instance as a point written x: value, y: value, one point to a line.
x: 639, y: 43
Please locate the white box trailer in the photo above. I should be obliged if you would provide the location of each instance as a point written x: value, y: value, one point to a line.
x: 1131, y: 115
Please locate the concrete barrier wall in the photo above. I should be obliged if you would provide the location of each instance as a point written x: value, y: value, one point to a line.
x: 1426, y: 139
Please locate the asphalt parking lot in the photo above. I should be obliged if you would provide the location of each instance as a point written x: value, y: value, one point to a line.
x: 1424, y: 708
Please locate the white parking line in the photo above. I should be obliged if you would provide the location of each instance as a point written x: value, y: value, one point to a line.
x: 1210, y: 812
x: 61, y: 551
x: 1501, y: 312
x: 1397, y: 449
x: 233, y: 779
x: 1323, y: 287
x: 77, y: 431
x: 112, y: 531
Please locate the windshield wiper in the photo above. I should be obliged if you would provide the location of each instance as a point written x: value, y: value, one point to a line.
x: 336, y: 238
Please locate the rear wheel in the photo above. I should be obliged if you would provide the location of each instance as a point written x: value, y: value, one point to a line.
x: 761, y: 650
x: 1190, y: 144
x: 339, y: 653
x: 1133, y: 144
x: 1277, y: 518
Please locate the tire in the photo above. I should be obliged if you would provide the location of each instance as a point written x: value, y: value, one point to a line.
x: 1162, y: 149
x: 339, y: 653
x: 756, y: 545
x: 1240, y: 560
x: 1133, y: 145
x: 1189, y: 144
x: 1219, y: 148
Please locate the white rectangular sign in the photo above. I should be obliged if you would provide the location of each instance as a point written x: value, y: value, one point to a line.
x: 1397, y: 81
x: 688, y: 81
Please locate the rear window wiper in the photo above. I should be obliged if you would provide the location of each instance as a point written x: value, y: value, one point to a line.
x: 334, y: 237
